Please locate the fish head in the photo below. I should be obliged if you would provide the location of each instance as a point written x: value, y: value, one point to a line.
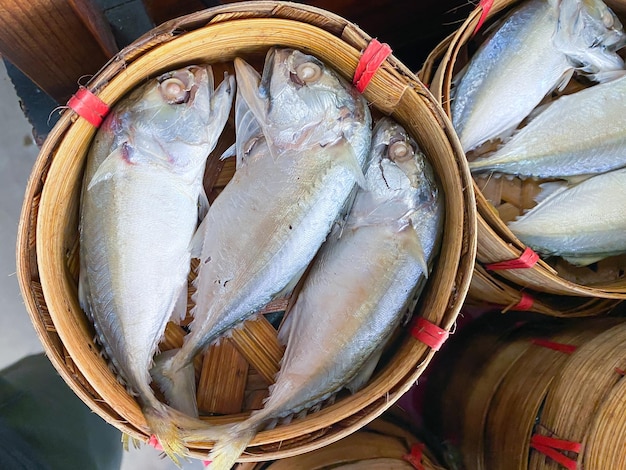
x: 170, y: 118
x: 308, y: 103
x: 400, y: 181
x: 589, y: 33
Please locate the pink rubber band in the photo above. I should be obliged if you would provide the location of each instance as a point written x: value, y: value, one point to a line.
x: 429, y: 333
x: 88, y: 106
x: 486, y: 6
x: 551, y: 447
x: 415, y: 457
x: 372, y: 58
x: 526, y: 260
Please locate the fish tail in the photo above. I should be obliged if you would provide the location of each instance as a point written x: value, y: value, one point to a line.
x: 165, y: 431
x: 177, y: 383
x: 229, y: 446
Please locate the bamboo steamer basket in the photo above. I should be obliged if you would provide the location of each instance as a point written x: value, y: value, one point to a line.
x: 383, y: 444
x: 47, y: 251
x: 500, y: 200
x: 524, y: 387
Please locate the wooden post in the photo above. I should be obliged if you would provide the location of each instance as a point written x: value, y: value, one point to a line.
x: 55, y: 42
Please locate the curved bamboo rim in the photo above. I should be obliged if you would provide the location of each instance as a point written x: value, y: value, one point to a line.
x: 581, y: 388
x: 393, y: 90
x: 496, y: 241
x: 522, y: 392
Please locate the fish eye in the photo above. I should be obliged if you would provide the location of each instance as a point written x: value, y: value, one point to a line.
x: 174, y: 90
x: 607, y: 19
x: 400, y: 151
x: 308, y: 72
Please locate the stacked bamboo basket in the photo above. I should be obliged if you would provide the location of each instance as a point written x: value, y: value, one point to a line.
x: 549, y: 286
x: 518, y: 380
x: 383, y: 444
x: 48, y: 232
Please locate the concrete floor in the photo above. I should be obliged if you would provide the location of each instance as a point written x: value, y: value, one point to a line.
x: 17, y: 335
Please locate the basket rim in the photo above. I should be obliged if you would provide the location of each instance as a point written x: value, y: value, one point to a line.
x: 47, y: 163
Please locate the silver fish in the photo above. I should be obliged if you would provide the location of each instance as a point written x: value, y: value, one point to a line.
x: 578, y: 134
x: 534, y: 51
x: 139, y: 210
x: 303, y: 136
x: 361, y: 285
x: 583, y: 223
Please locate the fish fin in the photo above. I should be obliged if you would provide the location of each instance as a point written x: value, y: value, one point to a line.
x: 178, y: 386
x: 285, y: 329
x: 365, y: 372
x: 162, y: 426
x: 197, y: 241
x: 607, y: 76
x: 251, y: 111
x: 584, y: 260
x: 229, y: 152
x: 221, y: 104
x: 115, y: 162
x: 180, y: 308
x: 415, y: 248
x: 203, y: 204
x: 564, y: 79
x: 345, y: 155
x: 550, y: 189
x: 229, y: 448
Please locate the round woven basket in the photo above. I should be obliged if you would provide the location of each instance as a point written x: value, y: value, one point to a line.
x: 48, y: 233
x: 382, y: 444
x: 502, y: 199
x: 554, y: 380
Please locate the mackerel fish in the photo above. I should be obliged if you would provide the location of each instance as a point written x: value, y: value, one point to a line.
x: 536, y: 49
x: 303, y: 136
x: 361, y: 285
x: 139, y: 210
x: 583, y: 223
x: 583, y: 133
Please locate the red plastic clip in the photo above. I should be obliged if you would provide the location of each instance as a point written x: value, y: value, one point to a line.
x: 154, y: 442
x: 373, y: 56
x: 551, y: 447
x: 206, y: 463
x: 486, y: 6
x: 89, y: 106
x: 526, y: 260
x: 564, y: 348
x: 415, y: 457
x: 429, y: 333
x: 525, y: 303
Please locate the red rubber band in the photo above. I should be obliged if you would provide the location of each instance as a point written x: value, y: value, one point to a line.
x: 525, y: 303
x: 373, y: 56
x: 154, y: 442
x: 550, y: 447
x: 88, y: 106
x: 486, y: 6
x: 206, y: 463
x: 620, y: 371
x: 429, y: 333
x: 415, y: 457
x: 526, y: 260
x: 564, y: 348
